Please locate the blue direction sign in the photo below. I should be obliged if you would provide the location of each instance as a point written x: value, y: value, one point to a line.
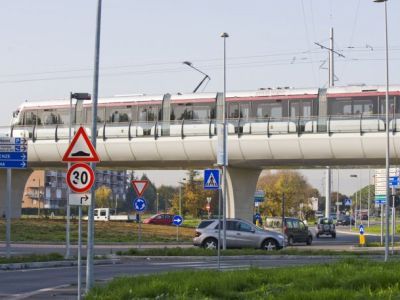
x: 380, y: 199
x: 13, y: 153
x: 259, y: 196
x: 361, y: 228
x: 211, y: 179
x: 177, y: 220
x: 393, y: 181
x: 139, y: 204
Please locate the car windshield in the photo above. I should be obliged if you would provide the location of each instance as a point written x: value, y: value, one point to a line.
x: 325, y: 221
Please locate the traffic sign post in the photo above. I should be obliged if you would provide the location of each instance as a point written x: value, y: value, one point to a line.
x: 80, y: 179
x: 361, y: 236
x: 177, y: 221
x: 140, y: 206
x: 13, y: 155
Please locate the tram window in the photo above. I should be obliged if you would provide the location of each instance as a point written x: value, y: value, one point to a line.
x: 201, y: 112
x: 245, y: 111
x: 30, y: 117
x: 382, y: 105
x: 63, y: 116
x: 148, y: 113
x: 307, y: 108
x: 233, y: 110
x: 181, y: 112
x: 294, y: 108
x: 271, y: 109
x: 340, y: 107
x: 362, y: 106
x: 119, y: 114
x: 49, y: 118
x: 100, y: 115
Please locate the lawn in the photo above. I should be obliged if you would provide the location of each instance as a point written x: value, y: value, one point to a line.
x: 348, y: 279
x: 31, y: 258
x: 45, y: 230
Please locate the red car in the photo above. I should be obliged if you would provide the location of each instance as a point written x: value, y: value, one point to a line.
x: 159, y: 219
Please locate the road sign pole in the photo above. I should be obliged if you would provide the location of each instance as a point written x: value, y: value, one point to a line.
x: 139, y: 232
x: 8, y: 221
x: 90, y: 237
x: 219, y: 228
x: 79, y: 252
x: 381, y: 224
x: 177, y: 233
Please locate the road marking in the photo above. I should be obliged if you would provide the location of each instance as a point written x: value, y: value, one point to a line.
x: 33, y: 293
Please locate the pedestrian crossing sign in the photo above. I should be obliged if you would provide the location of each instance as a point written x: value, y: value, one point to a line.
x: 211, y: 179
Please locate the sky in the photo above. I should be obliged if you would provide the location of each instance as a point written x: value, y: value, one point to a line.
x: 47, y: 47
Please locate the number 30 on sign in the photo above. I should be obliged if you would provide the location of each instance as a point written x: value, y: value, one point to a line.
x: 80, y: 178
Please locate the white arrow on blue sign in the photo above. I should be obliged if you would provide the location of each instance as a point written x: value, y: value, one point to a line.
x: 361, y: 228
x: 139, y: 204
x: 177, y: 220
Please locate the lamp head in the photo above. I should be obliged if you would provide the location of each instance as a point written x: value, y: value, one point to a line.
x: 379, y: 1
x: 188, y: 63
x: 224, y: 35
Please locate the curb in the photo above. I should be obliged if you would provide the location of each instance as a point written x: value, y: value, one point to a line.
x: 54, y: 264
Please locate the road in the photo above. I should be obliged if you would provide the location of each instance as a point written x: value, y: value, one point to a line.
x: 345, y: 240
x: 60, y: 283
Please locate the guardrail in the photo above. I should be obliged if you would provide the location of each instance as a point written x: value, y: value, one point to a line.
x: 188, y: 128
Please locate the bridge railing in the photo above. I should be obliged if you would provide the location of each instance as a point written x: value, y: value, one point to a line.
x: 361, y: 124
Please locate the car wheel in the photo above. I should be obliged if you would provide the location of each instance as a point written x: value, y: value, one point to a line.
x: 309, y: 240
x: 210, y: 243
x: 290, y: 241
x: 269, y: 245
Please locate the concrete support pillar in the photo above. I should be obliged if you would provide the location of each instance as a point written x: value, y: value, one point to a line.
x: 19, y: 178
x: 328, y: 192
x: 241, y: 184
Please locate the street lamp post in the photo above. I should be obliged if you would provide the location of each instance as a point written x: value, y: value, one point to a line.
x: 224, y: 35
x: 355, y: 204
x: 189, y: 64
x: 180, y: 196
x: 387, y: 156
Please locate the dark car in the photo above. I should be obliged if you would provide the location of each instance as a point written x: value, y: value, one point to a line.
x: 295, y: 230
x: 345, y: 220
x: 159, y: 219
x: 325, y: 226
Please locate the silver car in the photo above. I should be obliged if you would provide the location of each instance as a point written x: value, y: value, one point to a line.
x: 239, y: 234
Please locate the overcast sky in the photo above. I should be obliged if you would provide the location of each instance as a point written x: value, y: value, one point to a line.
x: 47, y: 46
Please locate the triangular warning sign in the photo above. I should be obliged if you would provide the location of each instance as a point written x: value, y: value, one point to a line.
x: 80, y: 149
x: 211, y: 182
x: 140, y: 186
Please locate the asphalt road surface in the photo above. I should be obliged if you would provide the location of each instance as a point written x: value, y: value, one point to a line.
x: 345, y: 240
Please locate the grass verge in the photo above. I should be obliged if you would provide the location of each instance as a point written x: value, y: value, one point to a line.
x: 349, y: 279
x: 45, y: 230
x: 232, y: 252
x: 31, y: 258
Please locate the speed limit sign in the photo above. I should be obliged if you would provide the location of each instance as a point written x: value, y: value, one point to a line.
x: 80, y: 178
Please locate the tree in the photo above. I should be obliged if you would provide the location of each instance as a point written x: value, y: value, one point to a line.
x: 193, y: 196
x: 288, y: 184
x: 166, y: 194
x: 103, y: 196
